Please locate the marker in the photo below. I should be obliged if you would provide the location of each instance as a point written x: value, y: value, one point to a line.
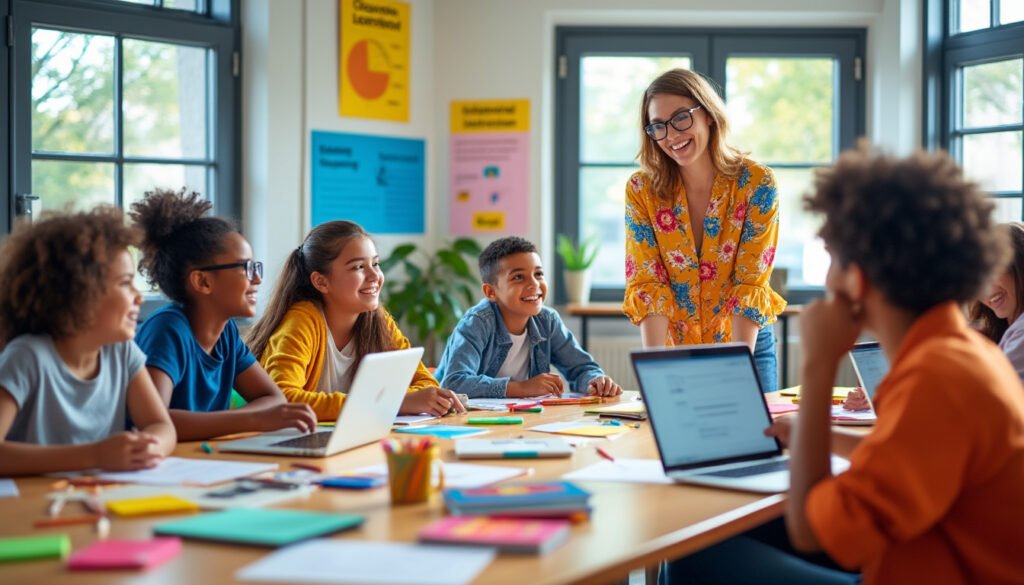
x: 308, y: 467
x: 207, y: 449
x: 605, y: 454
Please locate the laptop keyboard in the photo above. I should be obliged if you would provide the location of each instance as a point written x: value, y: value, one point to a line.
x: 752, y: 470
x: 313, y: 441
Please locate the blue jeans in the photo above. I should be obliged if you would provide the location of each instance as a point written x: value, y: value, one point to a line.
x: 766, y: 360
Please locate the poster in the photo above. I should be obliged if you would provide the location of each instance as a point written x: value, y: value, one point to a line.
x: 373, y: 59
x: 489, y: 172
x: 375, y: 181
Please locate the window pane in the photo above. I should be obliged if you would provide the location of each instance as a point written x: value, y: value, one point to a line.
x: 782, y: 109
x: 78, y: 184
x: 139, y: 178
x: 602, y: 212
x: 994, y: 160
x: 974, y: 15
x: 1008, y: 209
x: 610, y: 96
x: 1011, y: 11
x: 800, y: 250
x: 165, y: 98
x: 190, y: 5
x: 72, y: 92
x: 993, y: 93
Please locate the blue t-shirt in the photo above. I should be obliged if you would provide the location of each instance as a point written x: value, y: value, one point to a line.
x: 202, y: 381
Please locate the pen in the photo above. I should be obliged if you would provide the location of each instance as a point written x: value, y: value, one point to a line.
x: 605, y: 454
x: 206, y: 449
x: 308, y: 467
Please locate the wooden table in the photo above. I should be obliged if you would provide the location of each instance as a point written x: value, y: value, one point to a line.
x: 633, y: 525
x: 587, y: 311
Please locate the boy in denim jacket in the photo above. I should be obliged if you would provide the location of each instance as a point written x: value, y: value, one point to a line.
x: 504, y: 347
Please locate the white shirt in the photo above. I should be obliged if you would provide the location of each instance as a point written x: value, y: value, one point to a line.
x: 338, y: 372
x: 517, y: 362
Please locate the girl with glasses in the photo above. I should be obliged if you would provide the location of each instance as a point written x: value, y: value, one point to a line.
x: 702, y: 224
x: 325, y: 315
x: 194, y: 351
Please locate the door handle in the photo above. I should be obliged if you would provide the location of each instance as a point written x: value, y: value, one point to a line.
x: 23, y: 205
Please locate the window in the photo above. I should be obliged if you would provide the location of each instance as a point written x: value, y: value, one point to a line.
x: 794, y: 100
x: 974, y: 90
x: 112, y: 98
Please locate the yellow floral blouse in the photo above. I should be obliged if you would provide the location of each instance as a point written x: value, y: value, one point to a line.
x: 699, y: 295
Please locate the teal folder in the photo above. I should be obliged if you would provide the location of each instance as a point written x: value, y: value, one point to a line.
x: 34, y: 547
x: 260, y: 527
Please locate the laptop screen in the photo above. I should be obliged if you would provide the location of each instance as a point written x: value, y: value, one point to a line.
x: 704, y: 406
x: 871, y: 365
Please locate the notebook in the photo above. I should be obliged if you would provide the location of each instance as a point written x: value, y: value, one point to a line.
x: 708, y: 415
x: 514, y: 535
x: 259, y: 527
x: 30, y: 548
x: 512, y: 448
x: 374, y: 398
x: 628, y: 410
x: 125, y: 554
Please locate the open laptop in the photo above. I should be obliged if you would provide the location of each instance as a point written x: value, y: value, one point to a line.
x: 708, y: 415
x: 870, y: 365
x: 366, y: 416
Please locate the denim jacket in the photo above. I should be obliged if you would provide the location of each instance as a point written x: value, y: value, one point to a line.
x: 481, y: 342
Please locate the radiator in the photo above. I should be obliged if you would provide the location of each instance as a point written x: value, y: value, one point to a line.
x: 612, y: 354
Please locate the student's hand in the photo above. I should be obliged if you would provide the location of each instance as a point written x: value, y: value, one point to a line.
x: 539, y: 385
x: 604, y: 386
x: 294, y: 415
x: 828, y: 329
x: 128, y: 451
x: 856, y: 400
x: 433, y: 400
x: 782, y: 429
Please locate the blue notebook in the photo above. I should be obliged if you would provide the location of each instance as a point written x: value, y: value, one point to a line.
x: 518, y: 495
x: 442, y: 431
x: 260, y: 527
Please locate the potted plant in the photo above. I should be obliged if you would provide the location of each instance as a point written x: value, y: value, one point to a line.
x: 428, y: 293
x: 577, y: 260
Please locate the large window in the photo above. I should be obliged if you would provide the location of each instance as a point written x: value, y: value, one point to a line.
x: 111, y: 99
x: 975, y: 93
x: 795, y: 99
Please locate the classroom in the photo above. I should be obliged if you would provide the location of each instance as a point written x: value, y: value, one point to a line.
x: 495, y: 291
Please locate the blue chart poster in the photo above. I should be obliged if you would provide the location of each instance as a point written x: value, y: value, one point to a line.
x: 375, y: 181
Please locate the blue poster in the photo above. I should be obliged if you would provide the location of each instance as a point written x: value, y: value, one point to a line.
x: 375, y: 181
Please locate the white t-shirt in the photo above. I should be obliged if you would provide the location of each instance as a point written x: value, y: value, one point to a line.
x: 338, y: 371
x: 517, y: 362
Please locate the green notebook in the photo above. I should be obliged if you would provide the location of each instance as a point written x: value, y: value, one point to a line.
x: 34, y: 547
x: 261, y: 527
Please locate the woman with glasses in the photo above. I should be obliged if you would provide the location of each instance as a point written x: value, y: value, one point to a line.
x: 194, y: 352
x: 702, y: 224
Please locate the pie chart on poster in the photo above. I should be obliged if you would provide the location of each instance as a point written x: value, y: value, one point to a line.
x: 368, y: 69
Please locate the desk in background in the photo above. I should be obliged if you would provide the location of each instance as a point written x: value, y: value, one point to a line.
x: 587, y: 311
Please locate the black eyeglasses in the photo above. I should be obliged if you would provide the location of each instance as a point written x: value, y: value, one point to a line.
x: 252, y: 268
x: 682, y: 120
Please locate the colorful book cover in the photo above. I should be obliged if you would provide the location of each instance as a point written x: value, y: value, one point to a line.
x: 519, y: 535
x: 29, y: 548
x: 255, y: 526
x: 521, y: 495
x: 125, y: 554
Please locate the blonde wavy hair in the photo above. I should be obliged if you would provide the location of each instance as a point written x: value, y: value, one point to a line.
x: 663, y: 171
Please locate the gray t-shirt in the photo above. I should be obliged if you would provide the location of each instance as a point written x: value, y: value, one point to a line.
x: 55, y: 407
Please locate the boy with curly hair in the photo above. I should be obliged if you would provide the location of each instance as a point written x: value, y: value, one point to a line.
x: 70, y: 374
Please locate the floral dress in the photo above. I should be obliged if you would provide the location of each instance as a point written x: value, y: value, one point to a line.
x: 700, y: 294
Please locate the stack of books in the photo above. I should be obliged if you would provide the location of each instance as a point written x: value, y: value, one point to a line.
x: 514, y: 535
x: 536, y: 499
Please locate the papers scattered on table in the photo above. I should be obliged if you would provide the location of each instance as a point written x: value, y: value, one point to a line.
x: 625, y: 470
x: 583, y: 428
x: 368, y: 563
x: 212, y: 498
x: 461, y: 475
x: 412, y: 419
x: 8, y: 489
x: 178, y: 471
x: 499, y: 404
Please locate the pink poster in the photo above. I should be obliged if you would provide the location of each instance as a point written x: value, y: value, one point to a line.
x: 489, y: 178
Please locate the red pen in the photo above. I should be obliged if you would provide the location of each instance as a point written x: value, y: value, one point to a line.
x: 526, y: 406
x: 605, y: 454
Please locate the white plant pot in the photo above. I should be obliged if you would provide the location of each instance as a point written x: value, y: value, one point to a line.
x: 577, y: 286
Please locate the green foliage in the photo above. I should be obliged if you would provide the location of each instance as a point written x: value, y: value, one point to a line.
x: 429, y: 293
x: 577, y: 258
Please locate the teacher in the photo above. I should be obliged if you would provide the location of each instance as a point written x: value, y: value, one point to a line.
x: 702, y: 224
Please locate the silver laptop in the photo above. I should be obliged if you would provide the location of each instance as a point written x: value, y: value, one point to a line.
x: 369, y: 410
x: 708, y: 415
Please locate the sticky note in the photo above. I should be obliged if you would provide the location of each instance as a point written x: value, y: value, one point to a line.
x: 152, y: 506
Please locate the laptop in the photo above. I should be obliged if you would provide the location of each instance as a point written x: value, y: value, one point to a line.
x: 870, y: 365
x: 376, y: 394
x: 708, y: 415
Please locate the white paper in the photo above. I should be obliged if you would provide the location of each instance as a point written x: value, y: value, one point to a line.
x: 461, y: 475
x: 8, y: 489
x: 592, y: 422
x: 411, y: 419
x: 179, y: 471
x: 369, y: 563
x: 499, y: 404
x: 625, y: 470
x: 256, y: 499
x: 840, y: 414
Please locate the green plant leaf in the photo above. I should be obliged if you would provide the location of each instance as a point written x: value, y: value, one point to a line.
x: 467, y: 246
x: 454, y: 261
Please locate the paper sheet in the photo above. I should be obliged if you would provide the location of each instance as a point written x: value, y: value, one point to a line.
x: 625, y: 470
x: 8, y: 489
x: 583, y: 428
x: 442, y: 431
x: 369, y: 563
x: 199, y: 495
x: 179, y: 471
x: 461, y: 475
x: 411, y: 419
x: 841, y: 415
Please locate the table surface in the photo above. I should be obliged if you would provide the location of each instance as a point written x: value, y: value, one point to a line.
x: 633, y: 525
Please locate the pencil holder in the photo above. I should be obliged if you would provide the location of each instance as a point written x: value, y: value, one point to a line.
x: 411, y: 474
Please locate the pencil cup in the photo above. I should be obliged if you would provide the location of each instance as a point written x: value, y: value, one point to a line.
x: 411, y: 476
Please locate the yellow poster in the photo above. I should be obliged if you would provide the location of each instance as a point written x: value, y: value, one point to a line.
x: 373, y: 59
x: 490, y: 116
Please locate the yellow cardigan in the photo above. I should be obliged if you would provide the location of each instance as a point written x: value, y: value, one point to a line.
x: 294, y: 358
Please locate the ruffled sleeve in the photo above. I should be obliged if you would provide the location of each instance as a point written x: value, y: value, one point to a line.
x: 647, y: 289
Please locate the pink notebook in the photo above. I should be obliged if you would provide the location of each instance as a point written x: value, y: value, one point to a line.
x: 508, y: 534
x: 125, y: 554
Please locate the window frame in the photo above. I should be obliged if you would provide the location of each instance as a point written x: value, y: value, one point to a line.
x: 574, y: 42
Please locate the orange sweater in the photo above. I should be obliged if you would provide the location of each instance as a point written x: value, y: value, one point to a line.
x: 935, y: 494
x: 295, y: 354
